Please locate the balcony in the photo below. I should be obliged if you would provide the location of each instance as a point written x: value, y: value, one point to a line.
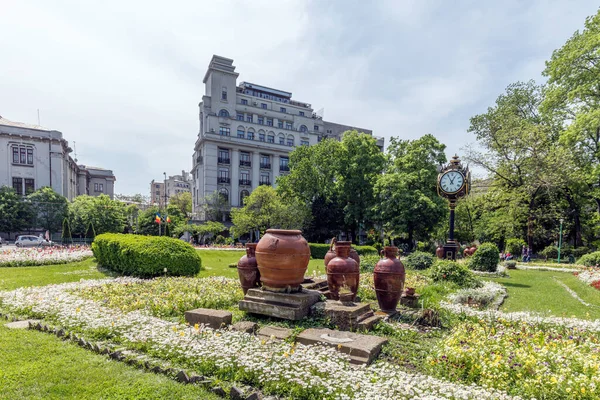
x: 245, y: 182
x: 285, y: 168
x: 223, y: 160
x: 245, y: 163
x: 263, y: 182
x: 222, y: 179
x: 265, y: 165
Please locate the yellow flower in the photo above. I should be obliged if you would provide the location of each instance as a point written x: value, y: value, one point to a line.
x: 582, y: 390
x: 339, y: 346
x: 78, y: 309
x: 196, y: 326
x: 553, y: 379
x: 182, y: 334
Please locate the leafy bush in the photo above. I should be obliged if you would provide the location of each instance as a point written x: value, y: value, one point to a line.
x: 426, y: 247
x: 450, y: 271
x: 580, y: 251
x: 515, y: 246
x: 145, y: 256
x: 551, y: 252
x: 419, y: 260
x: 368, y: 250
x: 319, y: 250
x: 486, y: 258
x: 511, y: 264
x: 368, y: 262
x: 590, y: 260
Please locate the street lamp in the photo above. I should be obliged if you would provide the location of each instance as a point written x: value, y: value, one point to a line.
x: 560, y: 238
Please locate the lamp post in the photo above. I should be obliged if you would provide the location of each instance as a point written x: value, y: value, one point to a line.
x: 560, y: 239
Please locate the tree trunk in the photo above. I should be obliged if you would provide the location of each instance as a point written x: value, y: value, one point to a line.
x: 576, y: 219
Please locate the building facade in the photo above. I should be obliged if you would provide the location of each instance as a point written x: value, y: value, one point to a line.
x: 246, y: 134
x: 32, y: 157
x: 175, y: 185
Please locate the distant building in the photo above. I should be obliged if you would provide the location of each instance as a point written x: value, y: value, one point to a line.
x: 246, y: 134
x: 32, y: 157
x: 176, y: 184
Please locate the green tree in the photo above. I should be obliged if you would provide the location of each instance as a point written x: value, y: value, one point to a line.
x: 265, y: 209
x: 201, y: 232
x: 49, y: 209
x: 183, y: 201
x: 14, y: 213
x: 215, y: 207
x: 147, y: 221
x: 408, y: 202
x: 104, y: 214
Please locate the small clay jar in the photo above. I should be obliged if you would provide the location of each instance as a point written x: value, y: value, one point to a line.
x: 439, y: 252
x: 388, y: 277
x: 343, y: 272
x: 248, y: 269
x: 331, y: 253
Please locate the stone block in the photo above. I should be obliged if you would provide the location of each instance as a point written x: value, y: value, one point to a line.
x: 291, y: 306
x: 276, y: 332
x: 362, y: 349
x: 219, y: 391
x: 409, y: 301
x: 245, y: 326
x: 215, y: 319
x: 343, y: 315
x: 368, y: 323
x: 182, y: 377
x: 253, y: 396
x: 236, y: 393
x: 21, y: 324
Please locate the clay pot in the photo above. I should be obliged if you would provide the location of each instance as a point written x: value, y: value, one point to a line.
x: 439, y: 252
x: 248, y: 269
x: 388, y: 277
x: 282, y: 257
x: 331, y: 253
x: 410, y: 291
x: 343, y: 272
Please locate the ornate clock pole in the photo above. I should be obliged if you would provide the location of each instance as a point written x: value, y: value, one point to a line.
x: 454, y: 182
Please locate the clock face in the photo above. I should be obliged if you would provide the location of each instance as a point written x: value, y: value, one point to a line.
x: 452, y: 181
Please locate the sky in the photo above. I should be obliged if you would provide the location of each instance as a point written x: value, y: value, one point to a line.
x: 123, y: 79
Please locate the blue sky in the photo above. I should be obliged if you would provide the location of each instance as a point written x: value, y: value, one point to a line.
x: 123, y: 79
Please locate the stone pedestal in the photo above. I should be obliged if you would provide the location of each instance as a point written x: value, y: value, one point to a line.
x: 409, y: 300
x: 362, y: 349
x: 216, y: 319
x: 347, y: 316
x: 292, y: 306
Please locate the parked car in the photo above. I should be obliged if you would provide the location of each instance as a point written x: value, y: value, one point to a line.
x: 32, y: 241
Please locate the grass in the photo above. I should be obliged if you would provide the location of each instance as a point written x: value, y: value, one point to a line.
x: 37, y: 365
x: 539, y: 291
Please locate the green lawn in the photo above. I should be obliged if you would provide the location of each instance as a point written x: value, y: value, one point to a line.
x: 38, y: 365
x: 539, y: 291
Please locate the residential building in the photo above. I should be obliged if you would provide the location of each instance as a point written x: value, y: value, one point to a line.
x: 246, y: 134
x: 35, y: 157
x: 176, y: 184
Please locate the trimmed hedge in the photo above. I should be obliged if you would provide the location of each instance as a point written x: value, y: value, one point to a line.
x: 590, y: 260
x: 486, y: 258
x: 319, y: 250
x: 145, y: 256
x: 450, y: 271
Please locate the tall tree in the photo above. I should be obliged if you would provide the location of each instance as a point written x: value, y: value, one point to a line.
x: 49, y: 209
x: 104, y: 214
x: 183, y: 201
x: 15, y: 214
x: 408, y: 202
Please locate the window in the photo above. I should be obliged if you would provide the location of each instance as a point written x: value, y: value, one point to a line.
x: 224, y: 93
x: 95, y: 187
x: 245, y: 159
x: 101, y: 187
x: 250, y: 135
x: 223, y: 175
x: 224, y: 193
x: 280, y: 124
x: 157, y: 186
x: 302, y: 113
x: 245, y: 102
x: 281, y: 140
x: 223, y: 156
x: 290, y: 142
x: 284, y: 164
x: 224, y: 131
x: 157, y: 192
x: 261, y: 120
x: 245, y: 178
x: 264, y: 105
x: 265, y: 178
x: 316, y: 128
x: 304, y: 143
x: 224, y: 113
x: 270, y: 139
x: 18, y: 185
x: 270, y: 121
x: 282, y: 109
x: 240, y: 117
x: 30, y: 156
x: 261, y: 137
x: 249, y: 117
x: 23, y: 155
x: 243, y: 194
x: 15, y: 150
x: 303, y: 128
x: 241, y: 133
x: 265, y: 161
x: 288, y: 125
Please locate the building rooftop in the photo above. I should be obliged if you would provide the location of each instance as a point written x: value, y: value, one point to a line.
x: 6, y: 122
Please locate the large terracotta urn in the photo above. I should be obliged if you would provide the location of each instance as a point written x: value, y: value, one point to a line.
x: 248, y: 269
x: 439, y: 252
x: 331, y: 253
x: 282, y: 257
x: 343, y: 273
x: 388, y: 277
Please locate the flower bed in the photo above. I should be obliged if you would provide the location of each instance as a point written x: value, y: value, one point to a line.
x: 490, y: 293
x: 43, y: 256
x: 590, y: 276
x: 524, y: 359
x: 279, y: 368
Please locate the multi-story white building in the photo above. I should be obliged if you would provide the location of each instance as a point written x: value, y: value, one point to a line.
x: 176, y: 184
x: 32, y: 156
x: 246, y: 134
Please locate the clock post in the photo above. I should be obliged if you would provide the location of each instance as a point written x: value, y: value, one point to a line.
x: 454, y: 182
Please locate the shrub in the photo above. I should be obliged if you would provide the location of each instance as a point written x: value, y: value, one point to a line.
x: 419, y: 260
x: 368, y: 262
x: 590, y: 260
x: 318, y: 250
x: 145, y: 256
x: 368, y: 250
x: 486, y: 258
x: 450, y: 271
x: 550, y: 252
x: 511, y: 264
x: 580, y: 251
x: 515, y: 246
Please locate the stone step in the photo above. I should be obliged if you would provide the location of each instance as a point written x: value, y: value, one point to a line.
x: 368, y: 323
x: 315, y: 284
x: 364, y: 316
